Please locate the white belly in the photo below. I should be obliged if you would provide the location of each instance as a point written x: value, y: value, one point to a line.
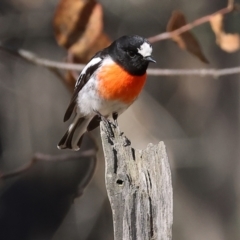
x: 88, y: 100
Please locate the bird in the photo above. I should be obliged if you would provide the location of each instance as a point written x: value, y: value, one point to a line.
x: 107, y: 86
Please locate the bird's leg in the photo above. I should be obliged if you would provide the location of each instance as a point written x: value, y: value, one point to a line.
x: 115, y: 117
x: 107, y: 123
x: 103, y: 118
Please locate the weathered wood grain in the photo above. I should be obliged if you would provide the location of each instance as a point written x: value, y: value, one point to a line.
x: 139, y: 188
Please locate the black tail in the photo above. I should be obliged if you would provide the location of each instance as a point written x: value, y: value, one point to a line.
x: 72, y: 139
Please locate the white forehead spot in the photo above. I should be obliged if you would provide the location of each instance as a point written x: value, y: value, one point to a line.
x: 145, y: 49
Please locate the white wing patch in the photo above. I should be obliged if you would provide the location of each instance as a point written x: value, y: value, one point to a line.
x: 91, y: 63
x: 145, y: 49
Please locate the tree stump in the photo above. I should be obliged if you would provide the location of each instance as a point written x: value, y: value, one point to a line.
x: 139, y: 187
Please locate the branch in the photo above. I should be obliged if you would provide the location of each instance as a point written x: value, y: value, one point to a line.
x: 139, y: 187
x: 48, y: 158
x: 189, y: 26
x: 34, y: 59
x: 194, y: 72
x: 53, y: 65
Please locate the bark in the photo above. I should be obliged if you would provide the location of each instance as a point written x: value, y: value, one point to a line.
x: 139, y: 188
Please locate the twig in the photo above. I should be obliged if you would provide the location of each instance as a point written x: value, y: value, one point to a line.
x: 48, y: 158
x: 33, y: 58
x: 53, y: 65
x: 194, y: 72
x: 189, y: 26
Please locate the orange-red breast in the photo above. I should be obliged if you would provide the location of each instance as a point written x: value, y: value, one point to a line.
x: 109, y: 84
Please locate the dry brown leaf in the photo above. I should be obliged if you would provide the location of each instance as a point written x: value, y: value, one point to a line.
x: 92, y: 39
x: 186, y: 40
x: 78, y: 26
x: 70, y: 20
x: 216, y: 23
x: 229, y: 42
x: 226, y: 41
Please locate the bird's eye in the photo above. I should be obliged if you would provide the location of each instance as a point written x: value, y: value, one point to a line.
x: 131, y: 54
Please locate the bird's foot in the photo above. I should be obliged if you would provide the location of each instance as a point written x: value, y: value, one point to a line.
x: 127, y: 142
x: 115, y: 117
x: 108, y: 124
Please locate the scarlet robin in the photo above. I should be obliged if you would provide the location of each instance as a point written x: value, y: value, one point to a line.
x: 108, y: 85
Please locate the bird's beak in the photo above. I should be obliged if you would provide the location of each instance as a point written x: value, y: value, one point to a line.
x: 150, y: 59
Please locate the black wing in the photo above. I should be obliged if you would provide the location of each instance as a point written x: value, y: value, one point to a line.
x: 82, y: 80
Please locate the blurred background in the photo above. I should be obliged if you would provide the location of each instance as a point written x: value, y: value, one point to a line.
x: 196, y: 117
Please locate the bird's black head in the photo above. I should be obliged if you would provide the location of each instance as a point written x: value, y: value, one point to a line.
x: 133, y: 53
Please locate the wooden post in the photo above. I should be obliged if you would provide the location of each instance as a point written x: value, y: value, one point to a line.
x: 139, y: 188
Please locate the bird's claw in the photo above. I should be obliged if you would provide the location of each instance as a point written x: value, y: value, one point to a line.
x: 127, y: 142
x: 107, y: 124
